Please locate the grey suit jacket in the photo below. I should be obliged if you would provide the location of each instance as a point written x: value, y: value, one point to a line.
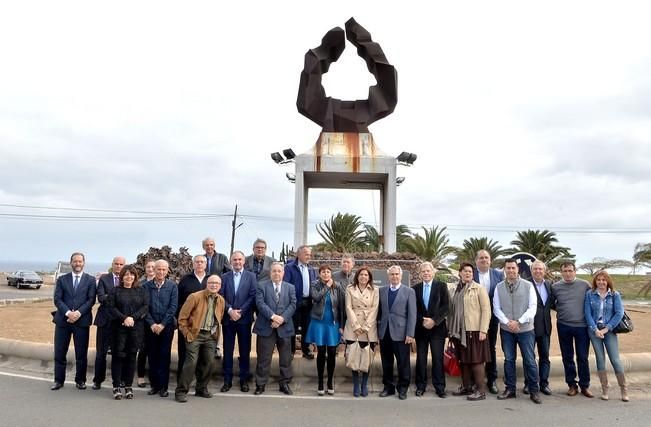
x: 401, y: 318
x: 266, y: 267
x: 265, y: 300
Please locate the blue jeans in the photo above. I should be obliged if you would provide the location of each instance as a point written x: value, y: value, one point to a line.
x: 570, y: 337
x: 611, y: 345
x: 544, y: 365
x: 524, y: 340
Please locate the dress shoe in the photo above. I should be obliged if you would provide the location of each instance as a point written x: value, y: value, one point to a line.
x: 492, y: 388
x: 56, y: 386
x: 153, y: 391
x: 402, y: 395
x: 225, y: 387
x: 97, y: 386
x: 117, y: 394
x: 163, y: 393
x: 218, y: 353
x: 387, y: 392
x: 462, y: 391
x: 309, y: 355
x: 244, y: 388
x: 259, y: 389
x: 573, y: 390
x: 181, y: 398
x: 128, y: 392
x: 506, y: 394
x: 546, y: 390
x: 525, y: 390
x: 442, y: 394
x: 476, y: 395
x: 535, y: 398
x: 587, y: 393
x: 284, y: 388
x: 81, y: 386
x: 203, y: 393
x: 143, y: 384
x: 420, y: 392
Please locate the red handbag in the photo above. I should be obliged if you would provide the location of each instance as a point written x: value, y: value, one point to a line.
x: 450, y: 362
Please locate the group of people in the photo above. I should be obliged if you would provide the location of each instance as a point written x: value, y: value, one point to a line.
x: 228, y: 299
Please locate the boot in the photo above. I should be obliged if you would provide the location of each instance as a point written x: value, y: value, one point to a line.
x: 364, y: 384
x: 621, y: 380
x: 603, y: 377
x: 355, y: 384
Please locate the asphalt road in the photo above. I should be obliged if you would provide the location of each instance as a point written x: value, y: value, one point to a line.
x: 27, y: 401
x: 10, y: 292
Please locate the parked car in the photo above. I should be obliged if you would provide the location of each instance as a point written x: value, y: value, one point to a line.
x: 25, y: 279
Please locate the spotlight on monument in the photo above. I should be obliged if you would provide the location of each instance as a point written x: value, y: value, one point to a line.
x: 289, y: 154
x: 400, y: 180
x: 406, y: 159
x: 276, y: 157
x: 291, y: 177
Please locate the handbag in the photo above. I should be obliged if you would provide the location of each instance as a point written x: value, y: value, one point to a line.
x: 450, y: 362
x: 625, y: 325
x: 358, y: 358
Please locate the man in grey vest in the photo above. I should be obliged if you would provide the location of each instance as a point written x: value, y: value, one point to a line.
x: 514, y: 305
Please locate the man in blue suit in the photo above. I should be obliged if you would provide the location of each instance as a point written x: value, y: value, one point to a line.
x: 74, y: 297
x: 299, y: 273
x: 238, y: 289
x: 276, y: 302
x: 396, y: 330
x: 489, y: 278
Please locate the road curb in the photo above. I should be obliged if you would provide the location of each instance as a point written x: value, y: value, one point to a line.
x: 13, y: 301
x: 44, y: 353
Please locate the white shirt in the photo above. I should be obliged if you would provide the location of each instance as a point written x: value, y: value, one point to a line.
x: 526, y: 317
x: 485, y: 280
x: 394, y: 287
x: 306, y: 279
x: 542, y: 291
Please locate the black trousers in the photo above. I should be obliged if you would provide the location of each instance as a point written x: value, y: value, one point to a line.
x: 390, y: 349
x: 159, y: 349
x: 62, y: 336
x: 491, y: 367
x: 102, y: 344
x: 301, y: 320
x: 122, y: 369
x: 435, y: 344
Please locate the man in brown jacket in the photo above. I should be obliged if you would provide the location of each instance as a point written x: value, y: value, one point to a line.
x: 199, y: 323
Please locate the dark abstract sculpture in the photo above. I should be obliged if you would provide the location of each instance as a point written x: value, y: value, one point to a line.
x: 335, y: 115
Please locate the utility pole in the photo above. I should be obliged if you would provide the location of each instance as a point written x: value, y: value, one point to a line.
x: 234, y: 227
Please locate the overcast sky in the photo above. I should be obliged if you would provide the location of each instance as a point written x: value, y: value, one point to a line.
x: 522, y: 116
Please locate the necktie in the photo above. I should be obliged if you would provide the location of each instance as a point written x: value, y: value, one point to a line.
x: 116, y: 280
x: 75, y: 283
x: 277, y: 289
x: 209, y: 262
x: 236, y: 281
x: 426, y: 291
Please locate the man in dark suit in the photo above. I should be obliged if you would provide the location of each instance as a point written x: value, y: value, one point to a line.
x: 74, y: 297
x: 103, y: 319
x: 163, y: 300
x: 259, y: 263
x: 432, y: 306
x: 276, y: 302
x: 189, y: 284
x: 542, y: 324
x: 239, y: 290
x: 396, y: 330
x: 217, y: 263
x: 489, y: 278
x: 299, y: 273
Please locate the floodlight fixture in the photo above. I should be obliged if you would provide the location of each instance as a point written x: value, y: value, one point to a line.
x: 291, y: 177
x: 289, y: 154
x: 406, y: 159
x: 276, y: 157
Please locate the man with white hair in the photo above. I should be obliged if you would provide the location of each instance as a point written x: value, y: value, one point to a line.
x: 163, y: 300
x: 396, y: 330
x: 345, y: 276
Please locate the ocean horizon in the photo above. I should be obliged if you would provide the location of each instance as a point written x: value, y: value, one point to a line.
x: 50, y: 266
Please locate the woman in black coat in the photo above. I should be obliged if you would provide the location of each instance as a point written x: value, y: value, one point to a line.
x: 129, y: 304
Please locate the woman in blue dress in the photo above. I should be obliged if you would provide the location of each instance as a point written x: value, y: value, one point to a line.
x: 328, y: 317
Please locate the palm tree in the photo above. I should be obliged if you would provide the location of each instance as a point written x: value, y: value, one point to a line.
x: 471, y: 246
x: 403, y: 235
x: 541, y: 244
x: 372, y: 237
x: 433, y: 246
x: 342, y: 233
